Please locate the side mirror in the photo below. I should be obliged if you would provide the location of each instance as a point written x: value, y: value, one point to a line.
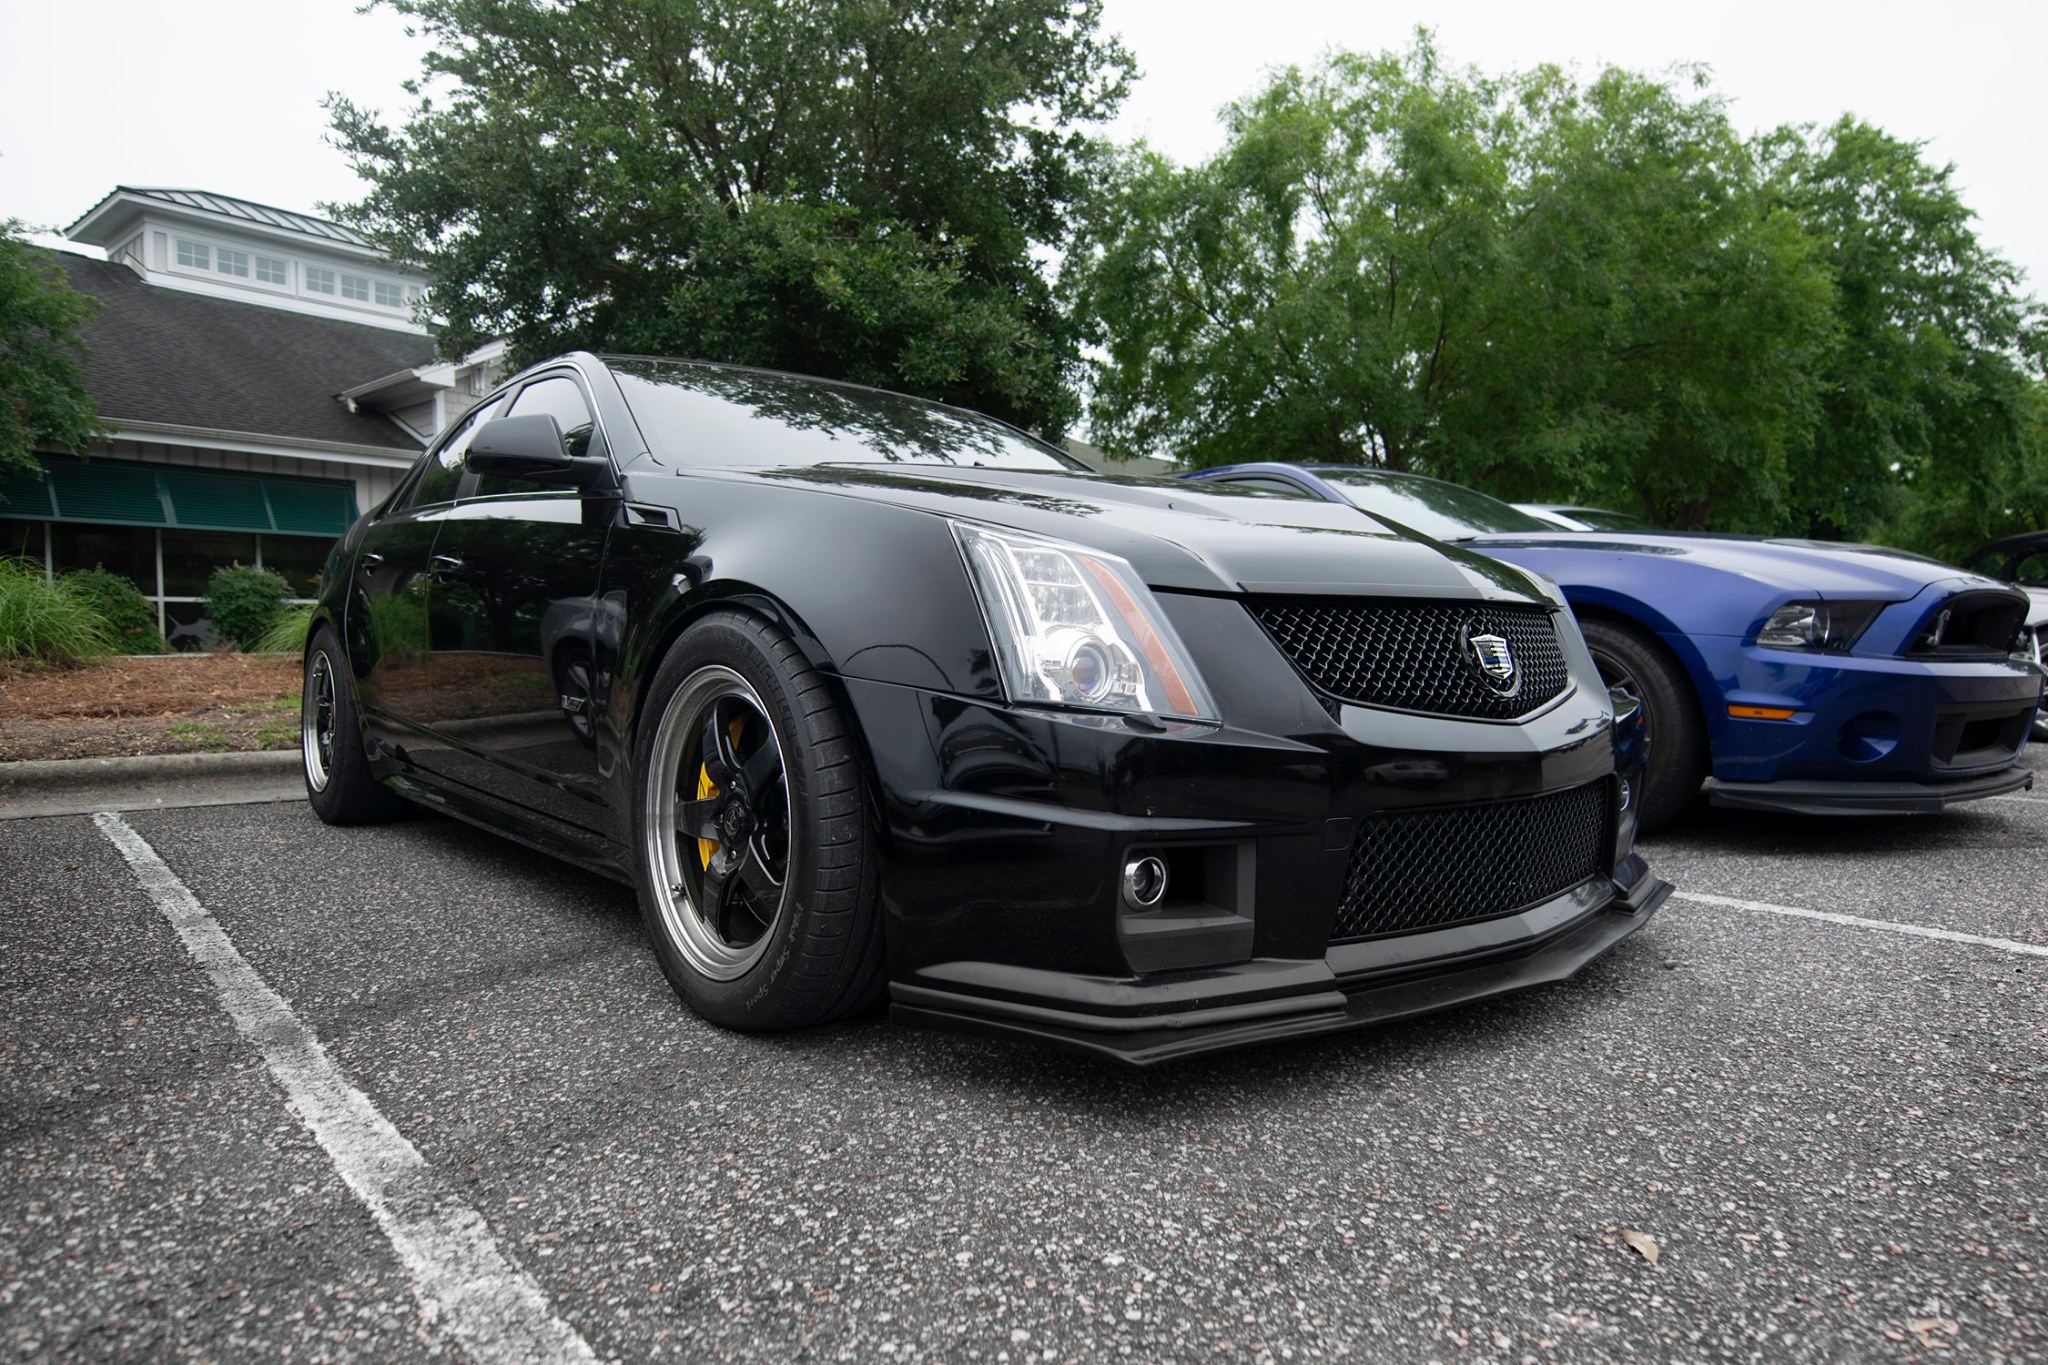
x: 531, y: 448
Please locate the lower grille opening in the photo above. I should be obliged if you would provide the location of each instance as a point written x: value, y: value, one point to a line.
x: 1417, y: 870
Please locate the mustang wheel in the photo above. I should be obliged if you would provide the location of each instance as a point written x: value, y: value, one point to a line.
x: 1671, y: 717
x: 755, y: 856
x: 338, y: 780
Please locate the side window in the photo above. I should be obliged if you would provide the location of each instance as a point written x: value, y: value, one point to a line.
x: 443, y: 469
x: 558, y: 397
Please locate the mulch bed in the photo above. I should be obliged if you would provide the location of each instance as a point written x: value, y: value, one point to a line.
x: 178, y: 704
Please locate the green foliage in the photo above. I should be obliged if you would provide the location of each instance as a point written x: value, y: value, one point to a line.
x: 243, y: 603
x: 860, y: 191
x: 43, y: 401
x: 128, y: 614
x: 40, y: 621
x: 1581, y: 291
x: 287, y: 632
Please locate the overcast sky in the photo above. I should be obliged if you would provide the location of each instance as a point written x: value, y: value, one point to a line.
x: 225, y: 96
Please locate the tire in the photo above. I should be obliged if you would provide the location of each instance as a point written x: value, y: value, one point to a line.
x: 754, y: 849
x: 1671, y: 717
x: 337, y: 770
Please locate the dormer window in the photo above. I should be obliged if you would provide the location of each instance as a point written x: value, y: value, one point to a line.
x: 232, y: 262
x: 355, y: 287
x: 270, y: 270
x: 194, y: 254
x: 319, y: 281
x: 389, y: 296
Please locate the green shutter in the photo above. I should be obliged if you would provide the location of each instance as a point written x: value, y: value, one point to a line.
x: 216, y: 501
x: 24, y: 495
x: 306, y: 508
x: 130, y: 494
x: 105, y: 490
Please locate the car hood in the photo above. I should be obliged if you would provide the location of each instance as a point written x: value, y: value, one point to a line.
x: 1823, y: 569
x: 1183, y: 537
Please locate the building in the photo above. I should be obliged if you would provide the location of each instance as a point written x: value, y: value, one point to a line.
x: 266, y: 378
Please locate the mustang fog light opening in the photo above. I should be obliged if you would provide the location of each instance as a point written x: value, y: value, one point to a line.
x: 1144, y: 882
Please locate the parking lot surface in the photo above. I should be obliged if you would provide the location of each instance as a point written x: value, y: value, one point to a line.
x: 1747, y: 1134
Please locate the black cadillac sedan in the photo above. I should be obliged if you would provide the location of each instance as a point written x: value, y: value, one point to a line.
x: 871, y: 698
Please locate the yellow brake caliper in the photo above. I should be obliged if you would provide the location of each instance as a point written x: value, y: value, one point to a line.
x: 706, y: 789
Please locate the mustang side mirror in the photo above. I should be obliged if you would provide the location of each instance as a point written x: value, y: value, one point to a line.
x: 532, y: 448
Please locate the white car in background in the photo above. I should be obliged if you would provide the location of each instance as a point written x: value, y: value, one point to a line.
x: 2022, y: 561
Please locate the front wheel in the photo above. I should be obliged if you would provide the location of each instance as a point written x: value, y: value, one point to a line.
x: 1671, y: 717
x: 755, y: 854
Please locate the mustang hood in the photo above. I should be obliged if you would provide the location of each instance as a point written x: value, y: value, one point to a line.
x: 1816, y: 568
x: 1191, y: 537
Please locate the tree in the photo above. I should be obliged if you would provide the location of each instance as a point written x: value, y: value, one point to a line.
x: 1543, y: 288
x: 857, y: 188
x: 1930, y: 422
x: 43, y: 400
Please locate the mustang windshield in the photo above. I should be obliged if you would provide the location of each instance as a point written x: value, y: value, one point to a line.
x: 715, y: 415
x: 1440, y: 510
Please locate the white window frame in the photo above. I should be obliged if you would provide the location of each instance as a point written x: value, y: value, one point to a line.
x: 387, y: 294
x: 231, y: 262
x: 282, y: 266
x: 361, y: 282
x: 201, y: 254
x: 314, y: 275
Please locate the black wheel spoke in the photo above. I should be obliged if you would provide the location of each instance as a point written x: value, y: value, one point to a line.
x: 761, y: 771
x: 716, y: 744
x: 715, y: 904
x: 699, y: 819
x: 757, y: 876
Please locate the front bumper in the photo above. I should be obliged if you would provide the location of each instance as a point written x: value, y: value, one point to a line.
x: 1865, y: 798
x: 1172, y: 1017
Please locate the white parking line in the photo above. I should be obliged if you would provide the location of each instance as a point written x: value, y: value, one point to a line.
x: 2005, y: 945
x: 479, y: 1295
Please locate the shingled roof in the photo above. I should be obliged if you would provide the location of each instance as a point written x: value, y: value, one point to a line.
x: 164, y: 355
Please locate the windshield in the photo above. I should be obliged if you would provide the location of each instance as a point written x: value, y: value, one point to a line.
x: 1606, y: 519
x: 732, y: 418
x: 1442, y: 510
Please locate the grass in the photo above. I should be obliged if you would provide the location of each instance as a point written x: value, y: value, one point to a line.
x: 39, y: 620
x: 198, y: 732
x: 287, y: 634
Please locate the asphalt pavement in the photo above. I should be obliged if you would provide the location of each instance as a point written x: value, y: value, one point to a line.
x: 1749, y: 1134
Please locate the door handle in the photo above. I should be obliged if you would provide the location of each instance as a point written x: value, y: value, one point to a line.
x: 445, y: 564
x: 369, y: 563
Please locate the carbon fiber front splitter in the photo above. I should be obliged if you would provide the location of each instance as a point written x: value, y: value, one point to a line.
x: 1350, y: 1003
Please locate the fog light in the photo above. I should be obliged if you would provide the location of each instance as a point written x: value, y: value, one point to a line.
x: 1144, y: 882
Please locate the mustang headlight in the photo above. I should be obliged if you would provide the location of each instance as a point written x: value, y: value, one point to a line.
x: 1818, y: 625
x: 1076, y: 627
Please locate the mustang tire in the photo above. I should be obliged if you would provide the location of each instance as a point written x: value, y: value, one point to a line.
x: 754, y: 856
x: 1671, y: 717
x: 338, y: 780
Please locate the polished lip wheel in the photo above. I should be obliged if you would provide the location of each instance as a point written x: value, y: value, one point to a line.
x: 719, y: 834
x: 316, y: 722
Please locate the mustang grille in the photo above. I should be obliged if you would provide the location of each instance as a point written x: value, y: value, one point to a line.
x: 1425, y: 869
x: 1417, y: 657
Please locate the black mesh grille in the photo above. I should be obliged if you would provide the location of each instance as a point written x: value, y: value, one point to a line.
x: 1425, y: 869
x: 1418, y: 657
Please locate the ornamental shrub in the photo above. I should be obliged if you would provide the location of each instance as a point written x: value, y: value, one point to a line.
x: 126, y: 611
x: 39, y: 620
x: 243, y: 602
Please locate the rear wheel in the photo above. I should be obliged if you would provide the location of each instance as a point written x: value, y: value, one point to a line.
x: 1671, y: 717
x: 755, y: 856
x: 338, y: 780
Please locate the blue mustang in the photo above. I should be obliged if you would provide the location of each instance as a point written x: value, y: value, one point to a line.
x: 1785, y: 675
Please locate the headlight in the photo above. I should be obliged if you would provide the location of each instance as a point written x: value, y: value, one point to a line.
x: 1818, y: 625
x: 1075, y: 627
